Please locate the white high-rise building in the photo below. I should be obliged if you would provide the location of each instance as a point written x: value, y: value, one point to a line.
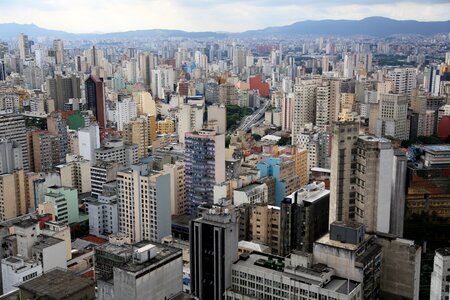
x: 88, y: 141
x: 440, y: 278
x: 125, y: 112
x: 392, y: 120
x: 404, y: 80
x: 304, y: 104
x: 190, y: 118
x: 144, y: 203
x: 163, y: 79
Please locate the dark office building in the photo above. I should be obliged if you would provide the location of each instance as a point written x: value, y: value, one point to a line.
x: 95, y: 99
x: 213, y: 249
x: 61, y: 89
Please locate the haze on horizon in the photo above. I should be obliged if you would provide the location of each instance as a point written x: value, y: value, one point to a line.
x: 87, y: 16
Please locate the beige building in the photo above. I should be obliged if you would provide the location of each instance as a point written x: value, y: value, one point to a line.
x: 76, y: 173
x: 178, y: 197
x: 265, y: 226
x: 167, y: 126
x: 12, y: 195
x: 138, y: 132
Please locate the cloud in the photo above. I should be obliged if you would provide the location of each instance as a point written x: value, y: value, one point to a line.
x: 203, y: 15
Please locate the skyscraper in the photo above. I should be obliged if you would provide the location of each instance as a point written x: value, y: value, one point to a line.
x: 13, y: 127
x: 205, y: 166
x: 58, y: 46
x: 213, y: 249
x: 95, y: 98
x: 24, y: 49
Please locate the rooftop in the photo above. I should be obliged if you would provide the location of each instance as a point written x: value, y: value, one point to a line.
x: 443, y: 251
x: 325, y: 240
x: 56, y: 284
x: 26, y: 223
x: 46, y: 241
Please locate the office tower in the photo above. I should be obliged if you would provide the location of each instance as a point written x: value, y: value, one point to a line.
x: 217, y: 118
x: 190, y: 118
x: 258, y: 275
x: 55, y: 283
x: 76, y: 173
x: 392, y: 119
x: 13, y: 200
x: 204, y: 165
x: 88, y: 141
x: 102, y: 172
x: 440, y: 278
x: 304, y: 218
x: 304, y: 104
x: 213, y: 250
x: 10, y: 156
x: 343, y: 179
x: 58, y: 46
x: 61, y: 89
x: 116, y: 150
x: 354, y: 255
x: 57, y: 127
x: 144, y: 203
x: 24, y: 48
x: 12, y: 127
x: 362, y: 187
x: 176, y: 172
x: 162, y: 81
x: 95, y: 99
x: 125, y: 112
x: 228, y: 94
x: 404, y: 80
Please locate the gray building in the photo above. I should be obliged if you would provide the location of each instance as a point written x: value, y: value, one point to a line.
x: 13, y: 127
x: 142, y: 270
x: 10, y: 156
x: 263, y: 276
x: 213, y: 249
x: 116, y: 150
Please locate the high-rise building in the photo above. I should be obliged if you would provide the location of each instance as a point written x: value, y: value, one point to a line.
x: 46, y: 153
x: 392, y: 119
x: 10, y: 156
x: 88, y: 141
x: 24, y: 47
x: 177, y: 182
x: 102, y: 172
x: 61, y: 89
x: 116, y: 150
x: 62, y: 203
x: 95, y: 99
x: 57, y: 126
x: 213, y: 250
x: 58, y: 46
x: 144, y: 203
x: 204, y: 165
x: 125, y: 112
x: 440, y: 278
x: 304, y: 104
x: 13, y: 200
x: 362, y: 186
x: 404, y: 80
x: 217, y: 118
x: 138, y: 132
x: 13, y: 127
x: 76, y: 173
x: 190, y: 118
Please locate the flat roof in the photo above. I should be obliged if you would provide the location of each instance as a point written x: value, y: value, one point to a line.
x: 46, y: 241
x: 437, y: 148
x: 325, y: 240
x: 56, y: 284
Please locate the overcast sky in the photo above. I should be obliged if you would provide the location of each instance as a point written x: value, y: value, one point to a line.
x: 83, y: 16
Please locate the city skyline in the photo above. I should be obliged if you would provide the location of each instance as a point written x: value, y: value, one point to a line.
x: 221, y: 16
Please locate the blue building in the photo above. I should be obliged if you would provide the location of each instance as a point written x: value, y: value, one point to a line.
x: 204, y: 167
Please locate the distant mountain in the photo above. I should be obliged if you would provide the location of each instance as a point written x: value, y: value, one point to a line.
x: 12, y: 30
x: 373, y: 26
